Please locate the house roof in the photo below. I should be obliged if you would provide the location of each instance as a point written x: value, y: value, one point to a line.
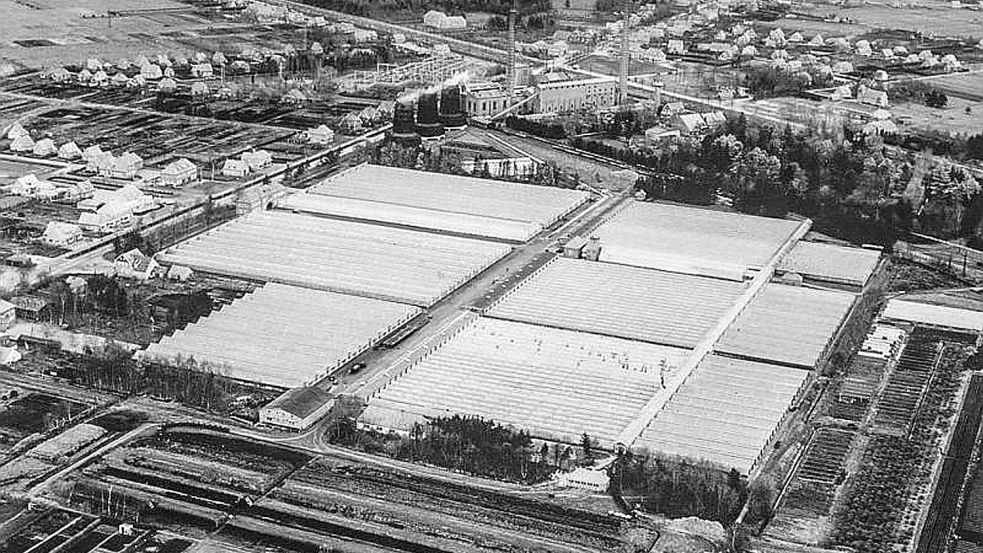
x: 301, y: 402
x: 29, y: 303
x: 235, y: 165
x: 6, y: 306
x: 182, y: 165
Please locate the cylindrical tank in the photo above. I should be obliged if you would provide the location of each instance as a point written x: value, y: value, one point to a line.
x: 427, y: 119
x: 451, y: 111
x: 403, y: 126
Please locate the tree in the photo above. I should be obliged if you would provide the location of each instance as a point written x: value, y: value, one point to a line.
x: 586, y: 445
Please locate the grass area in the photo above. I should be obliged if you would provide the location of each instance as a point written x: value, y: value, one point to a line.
x: 952, y: 119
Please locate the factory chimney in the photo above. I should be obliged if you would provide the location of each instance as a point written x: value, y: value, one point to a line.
x: 452, y: 116
x: 510, y: 70
x: 623, y: 65
x: 427, y: 118
x: 404, y: 129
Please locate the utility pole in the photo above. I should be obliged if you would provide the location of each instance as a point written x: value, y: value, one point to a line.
x: 624, y: 65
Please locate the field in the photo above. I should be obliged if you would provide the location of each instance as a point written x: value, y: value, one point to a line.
x: 313, y: 252
x: 758, y: 331
x: 953, y: 119
x: 557, y: 383
x: 691, y: 240
x: 725, y: 412
x: 968, y: 86
x: 285, y: 336
x: 618, y: 300
x: 541, y: 205
x: 189, y: 480
x: 906, y: 385
x: 936, y: 20
x: 11, y: 170
x: 34, y: 413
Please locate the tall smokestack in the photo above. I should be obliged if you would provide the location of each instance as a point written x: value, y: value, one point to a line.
x: 451, y: 114
x: 623, y: 66
x: 427, y: 118
x: 510, y: 70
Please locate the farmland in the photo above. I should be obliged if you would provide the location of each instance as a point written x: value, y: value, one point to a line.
x: 186, y: 480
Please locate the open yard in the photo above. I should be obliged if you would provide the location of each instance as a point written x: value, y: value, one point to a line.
x: 952, y: 119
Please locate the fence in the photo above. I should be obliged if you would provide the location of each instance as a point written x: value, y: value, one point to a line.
x: 956, y: 259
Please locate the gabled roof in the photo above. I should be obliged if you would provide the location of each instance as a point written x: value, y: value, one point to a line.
x: 301, y: 402
x: 180, y: 166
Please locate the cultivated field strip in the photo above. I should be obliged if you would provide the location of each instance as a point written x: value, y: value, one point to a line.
x: 456, y: 194
x: 787, y: 324
x: 826, y: 456
x: 725, y: 412
x: 691, y: 240
x: 338, y: 256
x: 284, y: 335
x: 556, y: 383
x: 464, y: 224
x: 618, y: 300
x: 897, y: 405
x: 858, y: 388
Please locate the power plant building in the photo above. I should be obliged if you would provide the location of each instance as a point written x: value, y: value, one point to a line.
x: 563, y: 96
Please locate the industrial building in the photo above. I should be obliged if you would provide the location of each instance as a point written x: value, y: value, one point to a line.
x: 575, y: 95
x: 296, y: 409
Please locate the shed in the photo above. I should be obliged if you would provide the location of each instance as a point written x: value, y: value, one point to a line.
x: 297, y: 409
x: 575, y: 247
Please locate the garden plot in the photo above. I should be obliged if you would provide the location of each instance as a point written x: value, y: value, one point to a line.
x: 622, y: 301
x: 764, y: 329
x: 34, y: 413
x: 338, y: 256
x: 725, y: 412
x: 285, y: 336
x: 898, y: 404
x: 692, y: 240
x: 858, y: 387
x: 555, y: 383
x: 542, y: 205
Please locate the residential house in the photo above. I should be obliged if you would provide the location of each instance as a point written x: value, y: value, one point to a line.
x: 61, y: 235
x: 69, y: 151
x: 688, y: 123
x: 202, y: 70
x: 321, y: 135
x: 134, y: 264
x: 126, y: 166
x: 872, y: 97
x: 257, y: 160
x: 30, y: 307
x: 178, y: 173
x: 22, y: 144
x: 16, y: 131
x: 235, y: 168
x: 44, y: 148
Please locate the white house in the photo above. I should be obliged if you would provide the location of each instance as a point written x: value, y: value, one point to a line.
x: 44, y: 148
x: 235, y: 168
x: 872, y: 97
x: 134, y: 264
x: 675, y: 46
x: 179, y: 172
x: 297, y: 409
x: 23, y: 143
x: 16, y: 131
x: 126, y: 166
x: 586, y: 479
x: 202, y: 70
x: 151, y: 71
x: 321, y: 135
x: 61, y: 234
x: 257, y: 159
x: 69, y: 151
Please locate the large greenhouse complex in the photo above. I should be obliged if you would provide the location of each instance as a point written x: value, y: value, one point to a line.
x: 739, y: 331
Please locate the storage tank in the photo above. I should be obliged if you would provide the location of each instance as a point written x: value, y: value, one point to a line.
x: 452, y: 114
x: 427, y: 118
x: 403, y: 126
